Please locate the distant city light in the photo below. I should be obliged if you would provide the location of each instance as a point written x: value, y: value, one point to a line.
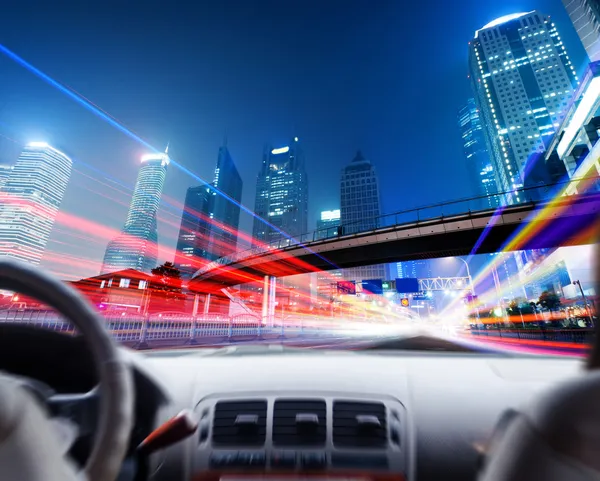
x: 330, y: 214
x: 295, y: 139
x: 281, y: 150
x: 498, y: 311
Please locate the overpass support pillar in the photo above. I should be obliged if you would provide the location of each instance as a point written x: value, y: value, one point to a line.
x: 265, y: 301
x: 272, y: 299
x: 196, y: 304
x: 206, y: 303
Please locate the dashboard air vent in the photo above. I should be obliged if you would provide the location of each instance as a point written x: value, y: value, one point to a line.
x: 240, y: 423
x: 299, y: 422
x: 359, y: 424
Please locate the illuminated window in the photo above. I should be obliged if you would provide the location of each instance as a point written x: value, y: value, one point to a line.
x: 124, y: 282
x: 144, y: 284
x: 102, y: 284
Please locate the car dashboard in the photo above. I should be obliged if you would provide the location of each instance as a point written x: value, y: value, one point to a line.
x: 368, y: 415
x: 272, y: 412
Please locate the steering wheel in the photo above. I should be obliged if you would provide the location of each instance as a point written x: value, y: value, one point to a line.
x: 20, y: 435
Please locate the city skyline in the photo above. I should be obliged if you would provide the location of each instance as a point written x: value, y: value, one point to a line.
x: 408, y: 200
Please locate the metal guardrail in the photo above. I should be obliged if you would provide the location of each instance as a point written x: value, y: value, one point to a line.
x: 480, y: 204
x: 139, y: 330
x: 575, y: 336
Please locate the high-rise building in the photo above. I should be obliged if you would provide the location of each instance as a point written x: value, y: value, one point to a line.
x: 328, y: 223
x: 137, y: 245
x: 5, y: 171
x: 327, y: 226
x: 281, y: 195
x: 30, y: 199
x: 585, y: 15
x: 479, y: 165
x: 195, y: 227
x: 210, y: 220
x: 523, y: 80
x: 226, y: 212
x: 360, y: 207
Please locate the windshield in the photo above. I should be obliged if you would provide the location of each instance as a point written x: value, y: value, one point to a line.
x: 275, y: 173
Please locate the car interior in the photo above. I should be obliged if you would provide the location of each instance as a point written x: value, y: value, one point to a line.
x: 81, y: 407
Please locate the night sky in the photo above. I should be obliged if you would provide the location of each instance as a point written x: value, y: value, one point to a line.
x: 381, y: 76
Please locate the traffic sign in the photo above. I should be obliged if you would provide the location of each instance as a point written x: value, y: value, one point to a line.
x: 407, y: 285
x: 372, y: 286
x: 346, y: 287
x: 404, y: 302
x: 423, y: 296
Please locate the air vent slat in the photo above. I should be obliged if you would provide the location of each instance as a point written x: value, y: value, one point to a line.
x: 308, y: 429
x: 359, y: 424
x: 226, y: 432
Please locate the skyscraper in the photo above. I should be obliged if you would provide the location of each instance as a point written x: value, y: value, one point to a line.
x: 360, y: 206
x: 224, y: 232
x: 585, y: 15
x: 327, y: 226
x: 30, y: 199
x: 328, y: 223
x: 210, y: 221
x: 281, y: 194
x: 5, y: 171
x: 522, y: 79
x: 477, y: 157
x: 137, y: 245
x: 195, y: 227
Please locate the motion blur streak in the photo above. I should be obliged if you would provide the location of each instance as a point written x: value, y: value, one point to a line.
x: 112, y: 121
x: 535, y: 225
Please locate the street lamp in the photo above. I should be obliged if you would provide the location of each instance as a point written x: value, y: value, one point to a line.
x: 471, y: 288
x: 587, y: 307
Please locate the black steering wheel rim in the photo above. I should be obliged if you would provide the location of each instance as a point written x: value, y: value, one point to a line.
x: 115, y: 386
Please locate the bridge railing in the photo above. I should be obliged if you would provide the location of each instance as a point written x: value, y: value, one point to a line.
x: 168, y: 329
x: 514, y: 198
x: 584, y: 336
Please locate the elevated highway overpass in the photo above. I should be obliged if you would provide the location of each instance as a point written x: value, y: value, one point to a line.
x: 557, y: 223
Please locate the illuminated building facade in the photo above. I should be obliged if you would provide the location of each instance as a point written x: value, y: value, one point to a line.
x: 328, y: 223
x: 30, y: 199
x: 195, y: 227
x: 360, y: 206
x: 281, y: 195
x: 585, y: 15
x: 327, y: 226
x: 523, y: 80
x: 210, y: 221
x: 414, y: 269
x: 479, y: 166
x: 137, y: 245
x: 578, y: 148
x: 5, y: 171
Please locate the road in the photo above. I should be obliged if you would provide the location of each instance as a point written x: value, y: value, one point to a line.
x: 345, y: 341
